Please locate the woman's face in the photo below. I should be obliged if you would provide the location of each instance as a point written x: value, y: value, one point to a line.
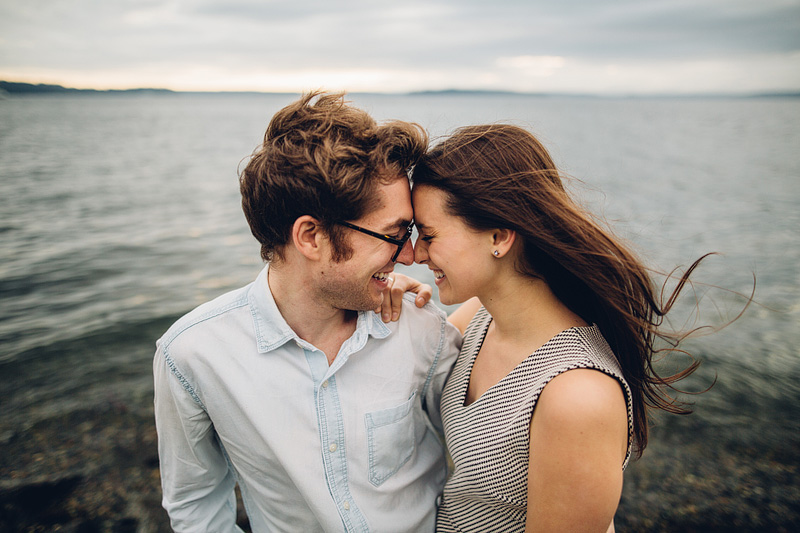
x: 459, y: 256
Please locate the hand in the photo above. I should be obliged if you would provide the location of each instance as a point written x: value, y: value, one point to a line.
x: 399, y: 284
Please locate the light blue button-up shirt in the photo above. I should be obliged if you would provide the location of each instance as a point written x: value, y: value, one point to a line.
x: 239, y: 397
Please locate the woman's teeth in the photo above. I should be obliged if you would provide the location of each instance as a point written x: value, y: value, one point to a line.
x: 438, y: 274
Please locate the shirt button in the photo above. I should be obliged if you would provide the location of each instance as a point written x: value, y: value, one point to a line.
x: 325, y: 384
x: 332, y: 447
x: 346, y: 506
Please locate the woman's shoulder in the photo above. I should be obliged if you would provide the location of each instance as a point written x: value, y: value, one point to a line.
x: 583, y: 390
x: 583, y: 399
x: 581, y: 347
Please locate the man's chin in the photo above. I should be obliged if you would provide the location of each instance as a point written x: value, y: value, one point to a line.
x: 363, y: 305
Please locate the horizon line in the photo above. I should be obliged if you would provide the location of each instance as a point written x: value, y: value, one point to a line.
x: 11, y: 87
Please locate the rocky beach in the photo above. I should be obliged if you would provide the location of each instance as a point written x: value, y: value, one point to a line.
x: 96, y: 470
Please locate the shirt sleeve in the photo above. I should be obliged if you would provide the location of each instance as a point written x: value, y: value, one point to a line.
x: 447, y: 353
x: 197, y: 483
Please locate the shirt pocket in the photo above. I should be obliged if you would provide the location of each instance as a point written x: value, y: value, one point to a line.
x: 391, y: 439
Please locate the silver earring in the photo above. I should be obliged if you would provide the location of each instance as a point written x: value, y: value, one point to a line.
x: 496, y: 253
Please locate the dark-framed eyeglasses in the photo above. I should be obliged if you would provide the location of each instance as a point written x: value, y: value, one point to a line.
x: 400, y: 243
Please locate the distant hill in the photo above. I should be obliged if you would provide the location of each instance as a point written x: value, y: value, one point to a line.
x: 478, y: 92
x: 11, y: 87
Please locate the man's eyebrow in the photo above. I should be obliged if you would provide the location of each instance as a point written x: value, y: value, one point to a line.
x: 399, y: 223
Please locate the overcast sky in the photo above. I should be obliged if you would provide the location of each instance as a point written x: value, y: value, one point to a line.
x: 576, y: 46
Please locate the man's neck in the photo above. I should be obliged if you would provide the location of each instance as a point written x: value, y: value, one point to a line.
x: 312, y: 319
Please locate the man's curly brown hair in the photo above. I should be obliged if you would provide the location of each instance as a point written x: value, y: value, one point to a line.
x: 324, y: 158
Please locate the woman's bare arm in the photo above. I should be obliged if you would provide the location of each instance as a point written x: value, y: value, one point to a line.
x: 578, y: 442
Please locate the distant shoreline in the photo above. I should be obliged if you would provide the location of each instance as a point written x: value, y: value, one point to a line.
x: 10, y: 88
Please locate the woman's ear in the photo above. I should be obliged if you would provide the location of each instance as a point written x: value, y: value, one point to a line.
x: 502, y: 241
x: 308, y: 237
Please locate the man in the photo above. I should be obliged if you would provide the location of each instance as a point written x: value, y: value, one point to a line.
x: 292, y: 386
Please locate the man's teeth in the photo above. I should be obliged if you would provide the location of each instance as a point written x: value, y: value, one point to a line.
x: 381, y: 276
x: 438, y: 274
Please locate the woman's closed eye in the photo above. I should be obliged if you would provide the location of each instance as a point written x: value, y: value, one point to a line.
x: 402, y: 232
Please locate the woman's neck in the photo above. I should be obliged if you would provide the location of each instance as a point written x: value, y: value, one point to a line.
x: 524, y: 308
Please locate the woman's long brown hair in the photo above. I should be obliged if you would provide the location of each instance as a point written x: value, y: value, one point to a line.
x: 500, y: 176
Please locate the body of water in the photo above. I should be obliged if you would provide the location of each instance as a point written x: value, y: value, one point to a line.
x: 118, y: 213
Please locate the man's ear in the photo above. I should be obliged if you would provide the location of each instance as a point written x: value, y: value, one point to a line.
x: 308, y: 237
x: 502, y: 241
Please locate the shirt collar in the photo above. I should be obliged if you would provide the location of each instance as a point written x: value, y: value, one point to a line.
x: 272, y: 331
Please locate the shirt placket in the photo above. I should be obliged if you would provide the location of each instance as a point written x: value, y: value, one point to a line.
x: 330, y: 423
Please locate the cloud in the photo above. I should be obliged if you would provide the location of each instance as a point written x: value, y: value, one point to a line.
x: 531, y: 66
x: 378, y: 45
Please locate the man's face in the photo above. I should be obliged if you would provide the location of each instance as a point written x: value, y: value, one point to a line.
x: 357, y: 284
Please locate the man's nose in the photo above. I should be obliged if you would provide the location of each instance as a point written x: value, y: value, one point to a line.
x: 406, y: 256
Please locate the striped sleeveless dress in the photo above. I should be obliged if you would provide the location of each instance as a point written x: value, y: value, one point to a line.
x: 488, y: 439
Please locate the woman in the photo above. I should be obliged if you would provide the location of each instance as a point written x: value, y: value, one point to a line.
x: 547, y: 401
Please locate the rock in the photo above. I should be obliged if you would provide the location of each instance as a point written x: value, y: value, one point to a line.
x: 39, y: 499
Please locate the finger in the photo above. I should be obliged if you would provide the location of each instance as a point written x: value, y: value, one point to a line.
x: 397, y: 300
x: 424, y: 295
x: 386, y: 305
